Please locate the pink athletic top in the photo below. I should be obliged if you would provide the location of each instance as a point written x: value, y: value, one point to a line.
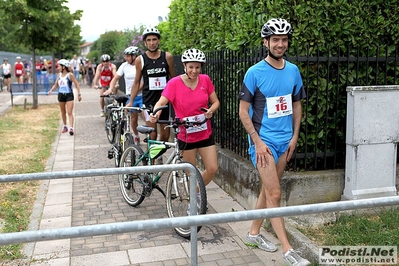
x: 187, y: 102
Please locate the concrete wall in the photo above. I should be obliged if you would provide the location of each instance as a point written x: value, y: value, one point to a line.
x: 238, y: 178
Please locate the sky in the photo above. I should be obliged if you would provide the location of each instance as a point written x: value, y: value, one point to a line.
x: 100, y: 16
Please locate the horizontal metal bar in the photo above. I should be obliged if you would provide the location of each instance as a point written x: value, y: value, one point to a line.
x: 155, y: 224
x: 39, y: 236
x: 95, y: 172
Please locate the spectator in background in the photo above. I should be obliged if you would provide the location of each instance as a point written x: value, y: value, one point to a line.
x: 75, y: 66
x: 90, y: 70
x: 45, y: 74
x: 38, y: 68
x: 7, y: 70
x: 28, y: 70
x: 19, y: 70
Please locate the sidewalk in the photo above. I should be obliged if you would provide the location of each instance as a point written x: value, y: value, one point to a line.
x: 97, y: 200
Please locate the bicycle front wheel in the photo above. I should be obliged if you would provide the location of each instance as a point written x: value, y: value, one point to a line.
x: 178, y: 197
x: 109, y: 127
x: 133, y: 186
x: 127, y: 140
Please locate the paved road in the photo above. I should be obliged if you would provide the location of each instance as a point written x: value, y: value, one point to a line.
x: 97, y: 200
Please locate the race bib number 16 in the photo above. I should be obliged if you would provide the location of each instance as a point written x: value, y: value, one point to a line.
x: 279, y: 106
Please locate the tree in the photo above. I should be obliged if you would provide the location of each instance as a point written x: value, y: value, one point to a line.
x: 42, y: 24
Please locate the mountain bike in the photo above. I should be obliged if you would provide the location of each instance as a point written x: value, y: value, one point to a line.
x: 117, y: 124
x: 135, y: 187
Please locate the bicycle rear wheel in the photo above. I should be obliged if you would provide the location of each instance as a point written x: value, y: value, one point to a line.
x: 178, y: 197
x: 133, y: 186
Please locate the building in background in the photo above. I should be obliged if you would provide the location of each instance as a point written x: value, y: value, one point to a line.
x: 85, y: 49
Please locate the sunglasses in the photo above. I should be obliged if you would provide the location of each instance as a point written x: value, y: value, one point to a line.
x: 106, y: 61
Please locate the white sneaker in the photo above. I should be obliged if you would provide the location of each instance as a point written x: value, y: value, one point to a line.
x: 260, y: 242
x: 292, y: 258
x: 102, y: 114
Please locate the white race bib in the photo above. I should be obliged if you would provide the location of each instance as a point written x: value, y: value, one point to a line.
x: 105, y: 78
x: 196, y: 118
x: 279, y: 106
x: 158, y: 83
x: 19, y: 71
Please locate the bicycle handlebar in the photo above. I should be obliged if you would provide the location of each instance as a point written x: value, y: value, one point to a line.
x: 180, y: 122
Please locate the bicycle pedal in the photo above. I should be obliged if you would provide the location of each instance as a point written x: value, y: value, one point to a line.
x: 110, y: 154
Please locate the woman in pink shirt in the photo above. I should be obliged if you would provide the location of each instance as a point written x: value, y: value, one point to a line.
x: 188, y: 93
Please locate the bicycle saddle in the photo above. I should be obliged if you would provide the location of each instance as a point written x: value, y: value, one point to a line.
x: 121, y: 99
x: 145, y: 129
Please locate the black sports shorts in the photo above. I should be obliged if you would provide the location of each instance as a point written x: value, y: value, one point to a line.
x: 65, y: 97
x: 184, y: 146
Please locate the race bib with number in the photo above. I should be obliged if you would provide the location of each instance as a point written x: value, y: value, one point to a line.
x: 105, y: 78
x: 279, y: 106
x: 158, y: 83
x: 196, y: 118
x: 19, y: 72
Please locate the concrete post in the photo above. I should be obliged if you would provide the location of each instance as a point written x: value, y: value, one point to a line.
x: 372, y: 135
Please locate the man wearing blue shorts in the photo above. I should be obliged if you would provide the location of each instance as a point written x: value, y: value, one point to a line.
x: 128, y: 70
x: 271, y: 111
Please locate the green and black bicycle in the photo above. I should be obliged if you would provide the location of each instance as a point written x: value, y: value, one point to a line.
x: 135, y: 187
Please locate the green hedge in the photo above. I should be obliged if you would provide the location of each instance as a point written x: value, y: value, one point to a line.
x: 359, y: 30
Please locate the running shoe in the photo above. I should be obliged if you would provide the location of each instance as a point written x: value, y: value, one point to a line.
x: 261, y: 242
x: 64, y: 129
x: 292, y: 258
x: 71, y: 131
x: 102, y: 114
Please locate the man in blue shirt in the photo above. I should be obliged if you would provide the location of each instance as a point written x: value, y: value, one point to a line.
x: 271, y: 111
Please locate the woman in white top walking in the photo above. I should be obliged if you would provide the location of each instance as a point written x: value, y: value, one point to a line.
x: 65, y: 94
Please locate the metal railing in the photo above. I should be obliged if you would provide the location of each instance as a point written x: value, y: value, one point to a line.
x: 153, y: 224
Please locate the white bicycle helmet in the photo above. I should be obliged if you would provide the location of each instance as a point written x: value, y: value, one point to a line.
x: 276, y: 26
x: 18, y: 57
x: 193, y: 55
x: 64, y: 62
x: 105, y: 58
x: 132, y: 50
x: 151, y: 31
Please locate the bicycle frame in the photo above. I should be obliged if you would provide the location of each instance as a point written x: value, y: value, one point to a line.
x: 171, y: 159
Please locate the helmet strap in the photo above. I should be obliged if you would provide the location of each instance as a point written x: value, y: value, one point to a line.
x: 274, y: 57
x: 185, y: 71
x: 132, y: 63
x: 153, y: 51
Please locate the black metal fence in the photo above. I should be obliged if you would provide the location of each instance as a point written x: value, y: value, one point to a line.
x: 326, y: 73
